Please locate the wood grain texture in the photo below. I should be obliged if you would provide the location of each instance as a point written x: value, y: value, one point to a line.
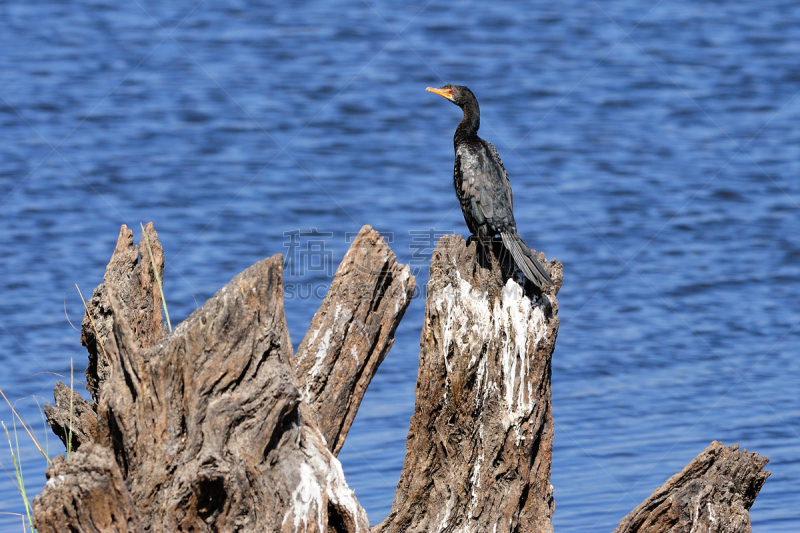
x: 73, y: 413
x: 351, y: 334
x: 204, y: 424
x: 712, y: 493
x: 217, y: 427
x: 130, y: 273
x: 479, y: 449
x: 87, y: 494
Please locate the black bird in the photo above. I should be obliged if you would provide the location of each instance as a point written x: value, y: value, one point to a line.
x: 483, y: 188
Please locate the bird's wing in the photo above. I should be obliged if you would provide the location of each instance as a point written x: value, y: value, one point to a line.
x: 484, y: 184
x: 496, y: 157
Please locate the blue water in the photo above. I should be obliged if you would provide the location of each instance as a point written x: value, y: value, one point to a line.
x: 652, y: 147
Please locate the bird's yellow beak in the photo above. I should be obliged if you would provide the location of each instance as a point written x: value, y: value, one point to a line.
x: 447, y: 93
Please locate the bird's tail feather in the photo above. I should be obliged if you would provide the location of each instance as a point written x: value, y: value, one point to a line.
x: 524, y: 260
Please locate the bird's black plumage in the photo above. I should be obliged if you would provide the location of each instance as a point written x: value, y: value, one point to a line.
x: 483, y: 188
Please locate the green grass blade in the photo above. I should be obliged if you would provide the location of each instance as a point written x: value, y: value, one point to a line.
x: 30, y: 433
x: 71, y: 392
x: 16, y: 458
x: 158, y: 278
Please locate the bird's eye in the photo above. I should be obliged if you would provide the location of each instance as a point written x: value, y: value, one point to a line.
x: 450, y: 91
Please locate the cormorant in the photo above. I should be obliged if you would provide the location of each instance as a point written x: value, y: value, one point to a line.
x: 483, y: 188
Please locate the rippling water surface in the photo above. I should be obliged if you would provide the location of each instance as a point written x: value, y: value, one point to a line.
x: 652, y: 147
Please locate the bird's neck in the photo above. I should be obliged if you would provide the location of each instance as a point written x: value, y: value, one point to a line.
x: 468, y: 127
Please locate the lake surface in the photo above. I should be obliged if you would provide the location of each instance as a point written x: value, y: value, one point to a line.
x: 652, y: 148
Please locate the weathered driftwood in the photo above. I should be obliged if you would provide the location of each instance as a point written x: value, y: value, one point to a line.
x: 204, y: 424
x: 712, y: 493
x: 351, y: 334
x: 479, y: 449
x: 217, y: 427
x: 79, y: 417
x: 130, y: 274
x: 134, y: 281
x: 86, y: 493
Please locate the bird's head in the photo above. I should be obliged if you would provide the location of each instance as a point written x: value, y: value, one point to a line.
x: 458, y: 94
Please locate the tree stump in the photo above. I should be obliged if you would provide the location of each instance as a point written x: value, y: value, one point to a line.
x: 479, y: 450
x: 219, y: 427
x: 202, y: 429
x: 712, y: 493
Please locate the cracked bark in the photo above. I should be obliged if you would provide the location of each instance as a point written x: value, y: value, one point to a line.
x: 86, y: 493
x: 351, y: 334
x: 203, y: 429
x: 130, y: 273
x: 83, y: 417
x: 712, y: 493
x: 479, y: 448
x: 218, y: 427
